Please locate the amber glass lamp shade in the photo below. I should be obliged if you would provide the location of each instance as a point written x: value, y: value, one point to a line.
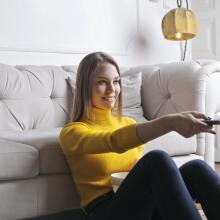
x: 179, y: 24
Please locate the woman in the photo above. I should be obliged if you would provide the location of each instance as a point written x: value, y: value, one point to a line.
x: 99, y: 142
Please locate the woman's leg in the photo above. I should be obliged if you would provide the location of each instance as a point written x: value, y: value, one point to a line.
x: 153, y: 184
x: 204, y: 185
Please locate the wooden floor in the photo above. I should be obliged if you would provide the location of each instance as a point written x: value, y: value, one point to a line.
x: 217, y: 168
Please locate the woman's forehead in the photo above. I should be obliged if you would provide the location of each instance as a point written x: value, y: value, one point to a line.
x: 106, y: 70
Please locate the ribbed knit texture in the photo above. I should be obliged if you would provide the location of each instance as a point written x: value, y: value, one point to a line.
x: 98, y: 147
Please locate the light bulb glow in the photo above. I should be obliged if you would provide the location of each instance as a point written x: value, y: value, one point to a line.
x: 178, y: 35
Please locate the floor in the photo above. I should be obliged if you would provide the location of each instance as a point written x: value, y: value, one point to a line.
x: 77, y: 214
x: 217, y: 168
x: 66, y: 215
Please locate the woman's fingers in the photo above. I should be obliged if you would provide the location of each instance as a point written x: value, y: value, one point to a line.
x: 190, y: 123
x: 199, y: 115
x: 206, y: 128
x: 199, y: 125
x: 211, y: 131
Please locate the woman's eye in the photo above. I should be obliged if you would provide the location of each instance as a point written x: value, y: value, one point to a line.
x: 101, y: 82
x: 116, y: 81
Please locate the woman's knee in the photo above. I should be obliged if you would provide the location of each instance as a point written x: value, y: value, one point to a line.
x: 195, y: 168
x: 195, y: 165
x: 157, y: 154
x: 156, y: 157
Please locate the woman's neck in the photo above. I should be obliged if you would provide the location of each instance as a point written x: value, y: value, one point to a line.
x: 98, y: 114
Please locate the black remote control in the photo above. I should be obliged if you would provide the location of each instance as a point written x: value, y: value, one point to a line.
x: 211, y: 122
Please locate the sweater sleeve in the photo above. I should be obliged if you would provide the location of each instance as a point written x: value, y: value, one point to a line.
x: 79, y: 138
x: 141, y: 147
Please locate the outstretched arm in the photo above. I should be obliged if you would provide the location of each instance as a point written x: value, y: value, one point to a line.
x: 79, y: 138
x: 186, y: 124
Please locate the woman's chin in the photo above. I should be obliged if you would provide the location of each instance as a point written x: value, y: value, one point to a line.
x: 109, y: 105
x: 105, y: 105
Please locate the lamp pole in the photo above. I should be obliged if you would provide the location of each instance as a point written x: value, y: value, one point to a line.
x: 179, y: 4
x: 182, y: 51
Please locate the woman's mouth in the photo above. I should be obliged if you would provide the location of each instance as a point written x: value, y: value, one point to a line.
x: 109, y: 99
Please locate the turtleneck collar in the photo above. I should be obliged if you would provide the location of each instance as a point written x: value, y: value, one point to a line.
x: 101, y: 115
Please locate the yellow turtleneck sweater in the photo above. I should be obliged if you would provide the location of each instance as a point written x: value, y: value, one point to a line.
x: 98, y: 147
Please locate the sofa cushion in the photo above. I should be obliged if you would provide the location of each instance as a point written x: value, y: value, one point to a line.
x: 173, y: 143
x: 131, y: 94
x: 51, y: 158
x: 46, y: 142
x: 34, y: 97
x: 40, y: 196
x: 17, y: 161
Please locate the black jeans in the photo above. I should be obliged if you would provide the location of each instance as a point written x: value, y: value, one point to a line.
x: 156, y: 189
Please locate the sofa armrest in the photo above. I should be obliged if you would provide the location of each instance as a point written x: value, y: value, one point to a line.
x: 211, y: 102
x: 173, y: 87
x: 182, y: 86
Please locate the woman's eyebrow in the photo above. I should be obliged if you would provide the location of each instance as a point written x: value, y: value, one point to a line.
x: 117, y: 77
x: 102, y: 77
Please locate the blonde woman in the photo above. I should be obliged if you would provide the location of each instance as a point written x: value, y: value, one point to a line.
x: 100, y: 141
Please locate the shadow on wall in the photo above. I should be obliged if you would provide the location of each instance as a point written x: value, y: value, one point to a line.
x: 148, y: 44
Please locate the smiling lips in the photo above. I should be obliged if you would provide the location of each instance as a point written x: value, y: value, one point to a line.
x: 109, y: 99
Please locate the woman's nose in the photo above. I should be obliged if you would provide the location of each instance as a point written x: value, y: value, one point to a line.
x: 111, y: 87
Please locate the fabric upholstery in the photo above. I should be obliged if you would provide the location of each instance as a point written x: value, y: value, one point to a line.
x: 44, y: 194
x: 49, y: 156
x: 131, y: 96
x: 174, y: 144
x: 33, y: 97
x: 18, y: 161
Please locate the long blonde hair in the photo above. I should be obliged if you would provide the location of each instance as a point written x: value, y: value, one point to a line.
x: 85, y: 73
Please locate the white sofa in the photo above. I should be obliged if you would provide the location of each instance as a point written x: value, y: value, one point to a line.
x: 35, y: 102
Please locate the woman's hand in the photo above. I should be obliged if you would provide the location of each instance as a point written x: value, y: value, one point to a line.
x: 190, y: 123
x: 186, y: 124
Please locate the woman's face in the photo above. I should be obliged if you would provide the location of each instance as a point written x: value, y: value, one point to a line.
x: 105, y: 86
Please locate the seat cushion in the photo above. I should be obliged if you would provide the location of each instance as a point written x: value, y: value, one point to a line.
x: 17, y: 161
x: 46, y: 143
x: 51, y: 160
x: 174, y: 144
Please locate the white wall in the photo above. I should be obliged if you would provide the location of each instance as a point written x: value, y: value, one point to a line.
x: 206, y: 44
x: 62, y: 32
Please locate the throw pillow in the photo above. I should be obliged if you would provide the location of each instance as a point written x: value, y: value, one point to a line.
x: 72, y: 82
x: 131, y: 96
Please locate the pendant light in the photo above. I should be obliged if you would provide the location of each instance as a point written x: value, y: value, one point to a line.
x: 179, y: 24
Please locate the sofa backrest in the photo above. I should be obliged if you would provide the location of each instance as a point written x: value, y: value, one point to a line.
x: 34, y: 97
